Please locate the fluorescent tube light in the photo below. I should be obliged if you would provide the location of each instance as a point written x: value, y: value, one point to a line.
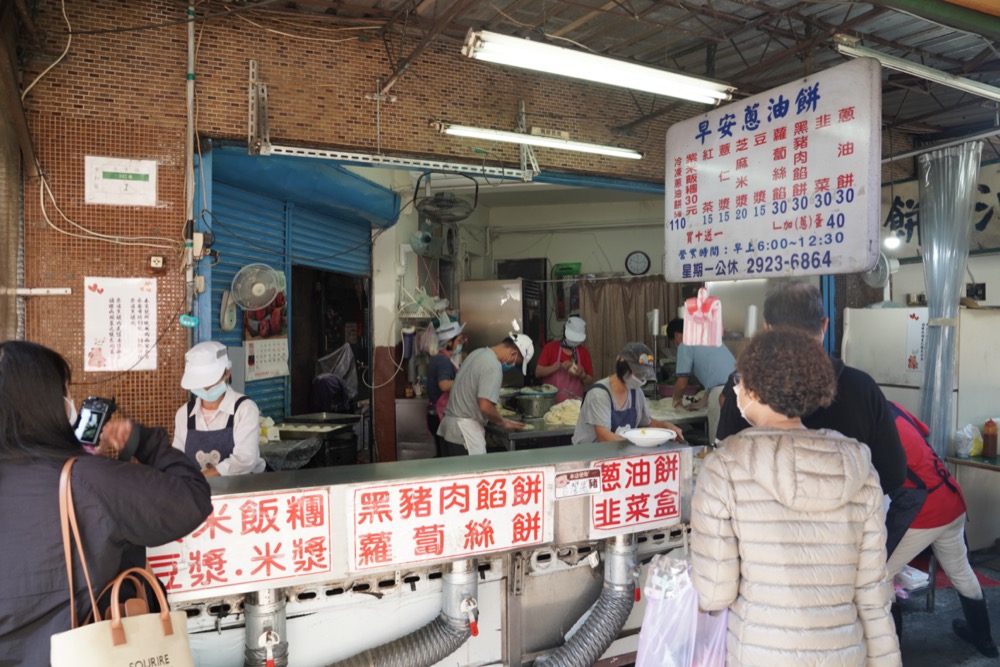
x: 526, y: 54
x: 536, y: 140
x: 922, y: 71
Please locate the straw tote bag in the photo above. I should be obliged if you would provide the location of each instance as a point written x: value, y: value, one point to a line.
x: 132, y: 635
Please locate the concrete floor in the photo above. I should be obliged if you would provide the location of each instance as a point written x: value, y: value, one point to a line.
x: 928, y: 640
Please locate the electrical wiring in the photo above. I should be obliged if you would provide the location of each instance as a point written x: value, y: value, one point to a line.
x: 58, y: 60
x: 97, y: 236
x: 304, y: 38
x: 215, y: 220
x: 167, y: 24
x: 399, y: 365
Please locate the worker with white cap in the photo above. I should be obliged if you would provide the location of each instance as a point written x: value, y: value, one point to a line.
x: 566, y: 363
x: 441, y: 376
x: 219, y: 427
x: 476, y: 391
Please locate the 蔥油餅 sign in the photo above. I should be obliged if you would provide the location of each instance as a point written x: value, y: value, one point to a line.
x: 784, y: 183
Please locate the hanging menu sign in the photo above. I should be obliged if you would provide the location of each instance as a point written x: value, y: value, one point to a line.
x: 785, y: 183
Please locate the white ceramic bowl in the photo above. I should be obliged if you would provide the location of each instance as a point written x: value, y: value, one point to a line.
x: 649, y: 437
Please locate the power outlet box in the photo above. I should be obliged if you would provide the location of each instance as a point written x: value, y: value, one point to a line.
x: 157, y: 263
x: 976, y: 291
x: 197, y: 245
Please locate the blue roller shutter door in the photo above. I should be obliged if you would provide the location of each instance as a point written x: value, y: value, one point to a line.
x: 325, y: 243
x: 249, y: 229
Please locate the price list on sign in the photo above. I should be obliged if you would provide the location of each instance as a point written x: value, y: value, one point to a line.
x: 784, y: 183
x: 255, y: 539
x: 441, y: 519
x: 637, y: 492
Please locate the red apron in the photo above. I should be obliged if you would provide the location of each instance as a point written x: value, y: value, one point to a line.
x: 441, y: 404
x: 569, y: 386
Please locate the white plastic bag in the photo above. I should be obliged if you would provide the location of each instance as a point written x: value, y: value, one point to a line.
x: 710, y: 643
x: 968, y: 442
x: 669, y: 626
x: 674, y: 633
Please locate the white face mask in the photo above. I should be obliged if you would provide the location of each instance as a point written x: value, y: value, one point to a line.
x: 738, y: 389
x: 632, y: 382
x: 71, y: 411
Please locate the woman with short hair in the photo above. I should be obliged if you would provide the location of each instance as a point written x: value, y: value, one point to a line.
x: 787, y: 523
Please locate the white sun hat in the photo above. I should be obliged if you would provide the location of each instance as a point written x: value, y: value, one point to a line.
x: 448, y: 331
x: 204, y: 365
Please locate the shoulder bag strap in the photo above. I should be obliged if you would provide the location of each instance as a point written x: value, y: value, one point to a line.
x: 67, y: 520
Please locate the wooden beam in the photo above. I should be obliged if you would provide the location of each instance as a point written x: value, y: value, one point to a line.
x: 8, y: 83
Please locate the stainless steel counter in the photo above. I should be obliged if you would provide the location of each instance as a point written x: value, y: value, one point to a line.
x: 540, y: 435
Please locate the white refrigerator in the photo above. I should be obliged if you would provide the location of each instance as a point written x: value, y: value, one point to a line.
x: 887, y: 343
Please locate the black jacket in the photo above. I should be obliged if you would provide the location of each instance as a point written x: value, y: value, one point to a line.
x: 119, y: 506
x: 859, y: 411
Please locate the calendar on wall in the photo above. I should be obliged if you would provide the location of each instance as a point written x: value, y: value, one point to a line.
x: 265, y: 358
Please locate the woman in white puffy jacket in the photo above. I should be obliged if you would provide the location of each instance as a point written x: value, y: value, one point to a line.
x: 787, y: 523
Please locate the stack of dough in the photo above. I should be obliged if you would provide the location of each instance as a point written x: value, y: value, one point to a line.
x: 565, y: 413
x: 505, y: 412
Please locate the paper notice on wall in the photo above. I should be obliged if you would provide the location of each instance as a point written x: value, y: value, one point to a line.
x: 119, y: 181
x: 266, y: 358
x: 119, y: 324
x: 916, y: 339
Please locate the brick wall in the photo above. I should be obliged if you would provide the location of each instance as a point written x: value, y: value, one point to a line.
x: 123, y: 94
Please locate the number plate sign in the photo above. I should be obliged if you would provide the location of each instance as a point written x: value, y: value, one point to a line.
x: 785, y: 183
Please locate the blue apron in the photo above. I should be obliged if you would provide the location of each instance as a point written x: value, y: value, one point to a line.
x: 206, y: 442
x: 628, y: 417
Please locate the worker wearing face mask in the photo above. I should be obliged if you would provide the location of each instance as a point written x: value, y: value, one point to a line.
x: 566, y: 363
x: 219, y: 427
x: 441, y: 376
x: 476, y: 391
x: 616, y: 403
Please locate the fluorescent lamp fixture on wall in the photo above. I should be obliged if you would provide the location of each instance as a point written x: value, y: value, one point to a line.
x: 526, y: 54
x: 846, y: 46
x: 536, y: 140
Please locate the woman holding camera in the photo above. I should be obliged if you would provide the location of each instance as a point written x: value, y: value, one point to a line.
x: 120, y: 506
x: 219, y: 428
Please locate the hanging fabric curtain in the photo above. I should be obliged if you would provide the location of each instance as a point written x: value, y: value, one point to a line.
x: 947, y: 186
x: 615, y: 312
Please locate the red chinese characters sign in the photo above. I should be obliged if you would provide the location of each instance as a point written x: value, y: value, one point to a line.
x: 637, y: 493
x: 247, y: 539
x: 783, y: 183
x: 431, y: 520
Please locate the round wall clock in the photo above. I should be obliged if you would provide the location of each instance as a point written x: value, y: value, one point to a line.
x: 637, y: 263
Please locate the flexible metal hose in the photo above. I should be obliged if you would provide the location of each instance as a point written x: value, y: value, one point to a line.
x: 427, y: 646
x: 607, y: 615
x: 438, y: 639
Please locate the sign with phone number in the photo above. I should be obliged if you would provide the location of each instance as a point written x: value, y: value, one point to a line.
x: 784, y: 183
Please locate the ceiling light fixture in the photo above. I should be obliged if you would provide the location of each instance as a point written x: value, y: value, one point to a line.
x: 536, y: 140
x: 848, y: 47
x: 526, y: 54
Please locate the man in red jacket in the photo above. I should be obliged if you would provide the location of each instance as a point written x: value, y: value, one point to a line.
x: 939, y: 524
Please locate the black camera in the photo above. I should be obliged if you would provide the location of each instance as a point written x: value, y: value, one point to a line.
x: 94, y: 414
